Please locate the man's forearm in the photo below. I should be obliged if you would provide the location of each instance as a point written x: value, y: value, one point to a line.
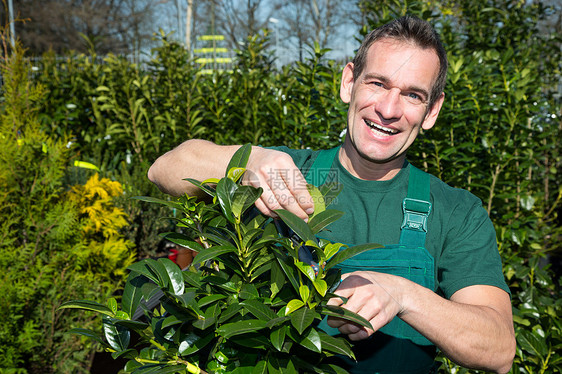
x: 196, y: 159
x: 475, y: 336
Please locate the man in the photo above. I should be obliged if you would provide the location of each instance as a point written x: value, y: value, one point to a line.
x: 438, y: 280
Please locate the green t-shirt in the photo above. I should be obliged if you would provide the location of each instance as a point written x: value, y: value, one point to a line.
x: 461, y: 238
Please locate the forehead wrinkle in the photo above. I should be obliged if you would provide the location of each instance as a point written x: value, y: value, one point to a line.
x: 384, y: 79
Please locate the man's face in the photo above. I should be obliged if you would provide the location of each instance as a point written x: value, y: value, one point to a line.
x: 388, y: 103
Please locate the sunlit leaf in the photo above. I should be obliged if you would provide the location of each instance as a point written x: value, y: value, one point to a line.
x: 117, y: 336
x: 297, y: 225
x: 306, y: 270
x: 349, y: 253
x: 336, y: 345
x: 304, y: 292
x: 87, y: 305
x: 338, y: 311
x: 174, y: 274
x: 293, y: 305
x: 240, y: 158
x: 132, y: 294
x: 320, y: 286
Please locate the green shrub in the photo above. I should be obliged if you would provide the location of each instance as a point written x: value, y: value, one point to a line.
x: 249, y: 304
x: 47, y: 242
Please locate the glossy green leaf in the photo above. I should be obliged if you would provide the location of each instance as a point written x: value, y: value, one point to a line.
x: 349, y: 253
x: 306, y: 270
x: 232, y: 310
x: 310, y: 340
x: 243, y: 198
x: 277, y: 280
x: 532, y: 343
x: 304, y: 292
x: 331, y: 249
x: 318, y: 200
x: 112, y: 304
x: 132, y: 294
x: 212, y: 253
x: 259, y: 309
x: 293, y: 305
x: 241, y: 327
x: 290, y: 272
x: 321, y: 286
x: 335, y: 345
x: 131, y: 325
x: 87, y: 305
x: 182, y: 240
x: 192, y: 343
x: 235, y: 173
x: 202, y: 186
x: 240, y: 158
x: 206, y: 300
x: 225, y: 193
x: 253, y: 340
x: 158, y: 268
x: 338, y: 311
x: 248, y: 291
x: 301, y: 319
x: 142, y: 268
x: 174, y: 274
x: 297, y: 225
x: 277, y: 337
x: 118, y: 337
x: 323, y: 219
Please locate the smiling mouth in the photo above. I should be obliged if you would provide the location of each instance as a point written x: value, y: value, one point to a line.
x: 380, y: 129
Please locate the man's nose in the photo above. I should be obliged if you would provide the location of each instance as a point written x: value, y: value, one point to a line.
x: 389, y: 104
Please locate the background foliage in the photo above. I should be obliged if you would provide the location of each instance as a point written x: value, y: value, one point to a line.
x: 498, y: 135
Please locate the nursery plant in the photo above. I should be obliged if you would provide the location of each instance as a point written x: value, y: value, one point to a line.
x: 250, y: 302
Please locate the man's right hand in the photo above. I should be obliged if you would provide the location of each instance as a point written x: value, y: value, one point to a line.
x: 284, y: 186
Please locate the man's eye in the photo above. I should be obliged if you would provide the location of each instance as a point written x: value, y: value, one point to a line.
x: 414, y: 96
x: 378, y: 84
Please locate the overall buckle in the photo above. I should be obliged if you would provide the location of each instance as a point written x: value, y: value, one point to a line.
x: 415, y: 214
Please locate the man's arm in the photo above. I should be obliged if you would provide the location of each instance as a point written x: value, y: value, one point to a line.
x: 474, y: 328
x: 284, y: 187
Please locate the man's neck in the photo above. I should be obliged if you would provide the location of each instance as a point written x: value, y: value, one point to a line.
x: 364, y: 169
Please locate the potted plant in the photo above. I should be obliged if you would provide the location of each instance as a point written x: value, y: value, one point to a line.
x: 250, y: 302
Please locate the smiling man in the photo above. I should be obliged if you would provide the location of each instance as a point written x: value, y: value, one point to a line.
x: 437, y: 283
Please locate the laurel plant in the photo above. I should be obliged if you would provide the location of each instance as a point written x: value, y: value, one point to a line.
x: 250, y: 302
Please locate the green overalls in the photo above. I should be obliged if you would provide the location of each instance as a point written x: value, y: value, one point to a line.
x: 396, y: 347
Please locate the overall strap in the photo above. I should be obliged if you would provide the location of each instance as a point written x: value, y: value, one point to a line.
x: 416, y: 207
x: 320, y: 168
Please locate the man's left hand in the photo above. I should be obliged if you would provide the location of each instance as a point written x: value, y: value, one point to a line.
x: 373, y: 296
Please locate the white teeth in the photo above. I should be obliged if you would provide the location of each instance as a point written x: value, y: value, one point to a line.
x: 381, y: 128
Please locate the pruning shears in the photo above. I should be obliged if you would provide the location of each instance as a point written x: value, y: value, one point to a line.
x: 304, y: 252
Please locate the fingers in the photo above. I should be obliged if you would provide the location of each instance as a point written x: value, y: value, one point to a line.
x: 284, y: 186
x: 366, y: 297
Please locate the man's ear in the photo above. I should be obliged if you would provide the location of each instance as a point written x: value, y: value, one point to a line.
x: 346, y: 85
x: 433, y: 112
